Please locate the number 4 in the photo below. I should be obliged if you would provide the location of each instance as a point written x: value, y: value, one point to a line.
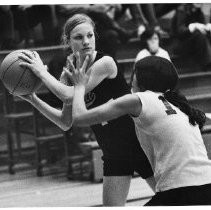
x: 169, y: 109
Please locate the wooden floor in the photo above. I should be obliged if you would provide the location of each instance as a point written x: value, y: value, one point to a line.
x: 23, y: 190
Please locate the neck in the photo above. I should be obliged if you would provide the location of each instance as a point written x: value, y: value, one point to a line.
x: 92, y: 58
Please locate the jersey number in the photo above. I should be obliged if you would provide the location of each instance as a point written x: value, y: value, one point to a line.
x: 169, y: 109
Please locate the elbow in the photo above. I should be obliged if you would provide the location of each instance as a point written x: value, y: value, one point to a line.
x: 66, y: 96
x: 65, y: 128
x: 66, y: 125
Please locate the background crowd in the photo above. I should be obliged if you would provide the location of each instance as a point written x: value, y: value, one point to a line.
x: 26, y: 26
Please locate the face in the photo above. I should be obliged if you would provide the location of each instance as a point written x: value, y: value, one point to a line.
x: 153, y: 43
x: 82, y: 39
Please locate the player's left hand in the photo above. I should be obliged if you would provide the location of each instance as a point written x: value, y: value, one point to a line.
x: 79, y: 74
x: 28, y: 97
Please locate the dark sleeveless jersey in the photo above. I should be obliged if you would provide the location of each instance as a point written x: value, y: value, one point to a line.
x: 117, y: 137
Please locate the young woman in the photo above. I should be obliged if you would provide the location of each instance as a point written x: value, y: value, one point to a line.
x: 122, y: 154
x: 150, y: 41
x: 168, y: 130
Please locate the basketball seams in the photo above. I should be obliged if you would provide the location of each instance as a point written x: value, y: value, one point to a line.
x: 19, y: 80
x: 35, y: 84
x: 36, y: 78
x: 4, y: 73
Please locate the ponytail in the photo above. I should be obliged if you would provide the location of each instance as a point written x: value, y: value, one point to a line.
x: 179, y: 100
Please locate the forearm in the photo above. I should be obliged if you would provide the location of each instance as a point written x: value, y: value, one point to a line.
x: 79, y: 107
x: 62, y: 118
x: 62, y: 91
x: 83, y: 117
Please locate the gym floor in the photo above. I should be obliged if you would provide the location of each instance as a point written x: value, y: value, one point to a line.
x: 25, y: 190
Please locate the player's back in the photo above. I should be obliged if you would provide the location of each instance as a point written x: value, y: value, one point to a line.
x: 173, y: 146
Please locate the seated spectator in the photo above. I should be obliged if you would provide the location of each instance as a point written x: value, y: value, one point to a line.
x: 150, y: 14
x: 150, y: 40
x: 26, y: 17
x: 191, y: 34
x: 144, y: 15
x: 109, y: 33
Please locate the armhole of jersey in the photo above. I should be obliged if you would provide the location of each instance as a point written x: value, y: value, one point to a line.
x: 141, y: 107
x: 113, y: 76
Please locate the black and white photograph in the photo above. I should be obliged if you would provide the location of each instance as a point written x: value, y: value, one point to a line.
x: 105, y: 104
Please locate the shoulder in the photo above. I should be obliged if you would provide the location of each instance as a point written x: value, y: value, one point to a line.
x: 107, y: 59
x: 145, y: 97
x: 131, y: 98
x: 162, y: 50
x: 143, y: 53
x: 132, y: 103
x: 105, y: 65
x: 146, y: 94
x: 149, y: 101
x: 164, y: 53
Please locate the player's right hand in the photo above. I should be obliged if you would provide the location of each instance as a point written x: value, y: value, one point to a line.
x: 33, y: 62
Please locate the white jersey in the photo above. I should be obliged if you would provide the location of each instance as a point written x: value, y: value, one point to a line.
x: 144, y: 53
x: 174, y: 147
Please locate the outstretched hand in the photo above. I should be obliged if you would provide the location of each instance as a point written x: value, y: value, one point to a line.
x: 28, y: 97
x: 79, y: 74
x: 32, y: 61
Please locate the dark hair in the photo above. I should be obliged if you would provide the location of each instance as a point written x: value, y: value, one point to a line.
x: 147, y: 34
x: 160, y: 75
x: 156, y: 74
x: 177, y: 99
x: 72, y: 22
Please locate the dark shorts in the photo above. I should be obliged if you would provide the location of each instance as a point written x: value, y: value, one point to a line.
x: 122, y: 152
x: 183, y: 196
x: 138, y: 163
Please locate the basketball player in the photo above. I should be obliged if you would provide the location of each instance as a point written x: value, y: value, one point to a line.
x: 168, y: 130
x: 122, y: 154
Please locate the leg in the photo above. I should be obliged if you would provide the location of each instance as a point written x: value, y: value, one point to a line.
x: 162, y: 9
x: 115, y: 190
x: 137, y: 14
x: 149, y: 13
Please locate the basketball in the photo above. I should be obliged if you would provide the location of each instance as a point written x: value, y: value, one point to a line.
x: 18, y: 80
